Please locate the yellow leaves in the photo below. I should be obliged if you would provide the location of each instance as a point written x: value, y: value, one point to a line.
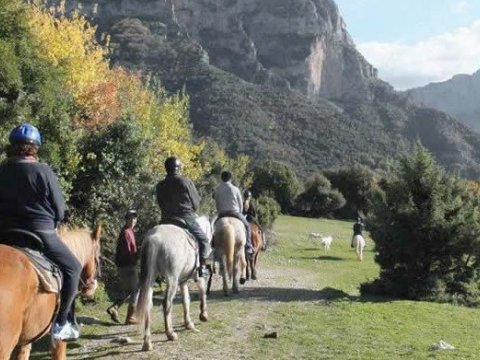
x: 103, y: 95
x: 70, y: 44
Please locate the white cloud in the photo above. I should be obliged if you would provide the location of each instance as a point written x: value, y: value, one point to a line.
x: 435, y: 59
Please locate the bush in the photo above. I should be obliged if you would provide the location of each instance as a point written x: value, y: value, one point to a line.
x: 319, y: 199
x: 267, y: 211
x: 277, y: 179
x: 426, y: 229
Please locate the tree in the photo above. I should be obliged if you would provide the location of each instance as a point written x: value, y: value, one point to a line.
x: 357, y: 184
x: 426, y: 229
x: 318, y: 198
x: 276, y: 179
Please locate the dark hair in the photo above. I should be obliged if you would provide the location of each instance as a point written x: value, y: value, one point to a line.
x: 226, y: 176
x: 22, y: 150
x: 131, y: 214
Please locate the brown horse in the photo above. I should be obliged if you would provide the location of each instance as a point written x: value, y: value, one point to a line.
x: 257, y: 244
x: 26, y: 313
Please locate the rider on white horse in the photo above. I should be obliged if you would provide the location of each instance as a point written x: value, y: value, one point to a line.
x: 357, y: 229
x: 178, y: 199
x: 229, y: 202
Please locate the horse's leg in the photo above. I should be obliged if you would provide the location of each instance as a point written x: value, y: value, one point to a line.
x: 202, y: 294
x: 254, y: 264
x: 249, y: 266
x: 23, y: 352
x: 223, y: 271
x: 59, y: 350
x: 167, y: 308
x: 235, y: 272
x: 242, y: 263
x: 147, y: 337
x: 186, y: 307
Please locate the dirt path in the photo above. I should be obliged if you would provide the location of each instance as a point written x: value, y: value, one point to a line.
x: 234, y: 320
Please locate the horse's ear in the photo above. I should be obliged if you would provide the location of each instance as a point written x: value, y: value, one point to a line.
x: 97, y: 232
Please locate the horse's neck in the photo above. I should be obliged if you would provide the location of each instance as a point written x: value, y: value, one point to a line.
x: 80, y: 248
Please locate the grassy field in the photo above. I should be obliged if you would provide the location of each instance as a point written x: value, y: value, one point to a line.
x: 311, y: 299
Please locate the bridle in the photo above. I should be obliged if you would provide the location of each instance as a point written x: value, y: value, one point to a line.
x: 91, y: 282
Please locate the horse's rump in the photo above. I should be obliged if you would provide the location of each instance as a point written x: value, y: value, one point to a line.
x: 25, y: 312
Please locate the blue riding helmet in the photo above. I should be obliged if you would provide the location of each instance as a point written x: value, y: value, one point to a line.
x: 25, y: 134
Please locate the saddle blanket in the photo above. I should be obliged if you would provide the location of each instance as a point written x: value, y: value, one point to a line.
x: 49, y: 275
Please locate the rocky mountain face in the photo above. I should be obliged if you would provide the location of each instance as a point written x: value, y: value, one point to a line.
x: 458, y: 97
x: 278, y: 79
x: 299, y: 44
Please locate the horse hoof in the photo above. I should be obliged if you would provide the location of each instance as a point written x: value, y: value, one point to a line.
x: 204, y: 317
x: 172, y: 336
x: 235, y: 291
x: 147, y: 347
x: 242, y: 281
x: 254, y: 277
x: 190, y: 326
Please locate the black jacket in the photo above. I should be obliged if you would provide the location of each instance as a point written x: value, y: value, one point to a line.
x: 177, y: 196
x: 357, y: 228
x: 30, y: 196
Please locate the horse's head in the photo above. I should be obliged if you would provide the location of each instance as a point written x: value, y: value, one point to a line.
x: 88, y: 279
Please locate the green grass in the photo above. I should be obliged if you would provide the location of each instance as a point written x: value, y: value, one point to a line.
x: 311, y: 299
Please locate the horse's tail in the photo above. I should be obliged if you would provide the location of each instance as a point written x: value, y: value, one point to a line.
x: 229, y: 233
x: 147, y: 277
x: 97, y: 232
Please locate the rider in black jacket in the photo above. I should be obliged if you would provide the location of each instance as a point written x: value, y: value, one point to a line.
x: 178, y: 198
x: 31, y: 199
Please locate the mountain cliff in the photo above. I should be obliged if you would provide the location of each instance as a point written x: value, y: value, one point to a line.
x: 278, y: 79
x: 458, y: 97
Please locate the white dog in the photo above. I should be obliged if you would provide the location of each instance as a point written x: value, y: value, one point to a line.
x: 326, y: 241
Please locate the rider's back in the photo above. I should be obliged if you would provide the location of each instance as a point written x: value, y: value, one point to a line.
x: 29, y: 196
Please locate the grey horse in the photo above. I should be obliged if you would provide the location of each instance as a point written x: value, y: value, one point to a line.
x: 169, y: 251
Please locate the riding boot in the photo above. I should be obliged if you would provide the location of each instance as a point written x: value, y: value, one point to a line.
x: 131, y: 319
x: 113, y: 312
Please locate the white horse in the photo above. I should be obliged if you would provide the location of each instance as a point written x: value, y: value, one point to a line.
x: 229, y: 238
x: 359, y: 243
x: 171, y: 252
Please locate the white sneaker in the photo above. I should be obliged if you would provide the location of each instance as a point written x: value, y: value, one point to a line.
x: 65, y: 332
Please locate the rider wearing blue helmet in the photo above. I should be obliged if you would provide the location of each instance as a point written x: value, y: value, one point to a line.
x: 31, y: 199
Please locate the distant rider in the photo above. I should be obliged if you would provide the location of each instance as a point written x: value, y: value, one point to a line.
x: 357, y: 229
x: 229, y: 202
x: 248, y: 207
x: 178, y: 199
x: 31, y: 199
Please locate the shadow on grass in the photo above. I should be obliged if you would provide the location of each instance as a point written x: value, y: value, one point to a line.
x: 322, y: 257
x: 293, y: 294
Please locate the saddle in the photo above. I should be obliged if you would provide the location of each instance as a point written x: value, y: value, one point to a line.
x: 49, y: 274
x: 233, y: 214
x: 179, y: 222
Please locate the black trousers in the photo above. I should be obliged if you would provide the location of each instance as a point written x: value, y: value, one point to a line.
x: 60, y: 254
x: 197, y: 232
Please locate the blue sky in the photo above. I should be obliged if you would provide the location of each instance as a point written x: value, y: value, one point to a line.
x: 414, y: 42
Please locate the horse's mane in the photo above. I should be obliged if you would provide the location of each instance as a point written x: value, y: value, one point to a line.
x: 78, y: 240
